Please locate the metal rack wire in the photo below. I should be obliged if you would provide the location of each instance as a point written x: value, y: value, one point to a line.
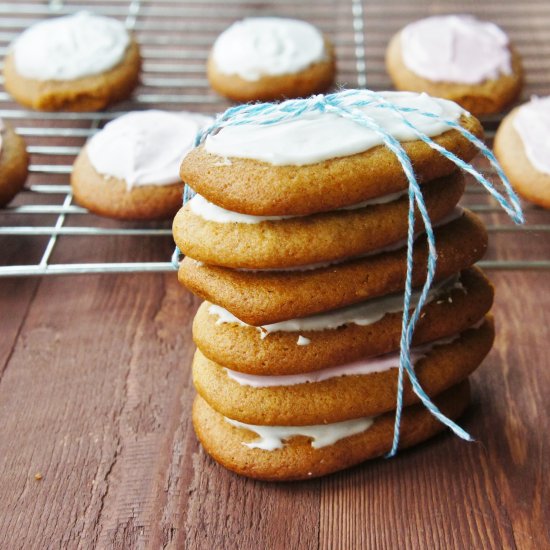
x: 175, y: 37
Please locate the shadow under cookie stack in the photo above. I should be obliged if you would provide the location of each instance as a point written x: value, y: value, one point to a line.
x: 297, y: 242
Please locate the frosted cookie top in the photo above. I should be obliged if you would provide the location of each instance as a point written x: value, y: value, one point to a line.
x: 317, y: 136
x: 532, y: 123
x: 145, y: 147
x: 267, y: 46
x: 70, y: 47
x: 455, y: 48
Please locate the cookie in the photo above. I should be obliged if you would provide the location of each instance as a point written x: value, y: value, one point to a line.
x: 129, y: 170
x: 266, y: 351
x: 297, y: 458
x: 79, y: 62
x: 319, y: 161
x: 329, y: 395
x: 523, y: 149
x: 459, y: 58
x: 264, y: 297
x: 270, y: 58
x: 201, y: 231
x: 14, y: 163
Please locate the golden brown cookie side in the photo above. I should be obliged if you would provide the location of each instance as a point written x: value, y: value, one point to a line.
x: 299, y: 460
x: 528, y: 182
x: 14, y: 162
x: 90, y: 93
x: 260, y: 298
x: 241, y: 348
x: 341, y: 398
x: 488, y: 97
x: 316, y: 78
x: 312, y: 239
x: 110, y: 196
x: 259, y: 188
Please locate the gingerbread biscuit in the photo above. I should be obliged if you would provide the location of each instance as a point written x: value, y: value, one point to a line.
x: 242, y: 347
x: 258, y: 188
x: 267, y: 58
x: 341, y: 397
x: 297, y: 459
x: 264, y: 297
x: 14, y: 162
x: 526, y: 166
x: 490, y: 95
x: 62, y: 64
x: 110, y: 197
x: 298, y: 241
x: 129, y: 170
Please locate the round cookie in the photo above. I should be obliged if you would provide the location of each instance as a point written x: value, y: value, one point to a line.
x: 458, y: 58
x: 343, y: 397
x: 14, y: 162
x: 129, y: 170
x: 223, y: 169
x: 264, y: 297
x: 270, y: 58
x: 524, y: 158
x: 299, y: 241
x: 242, y: 347
x: 80, y: 62
x: 297, y: 459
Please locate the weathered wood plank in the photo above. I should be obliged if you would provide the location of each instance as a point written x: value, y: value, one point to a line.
x: 452, y: 494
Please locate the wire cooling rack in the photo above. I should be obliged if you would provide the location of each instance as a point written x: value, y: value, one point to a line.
x: 175, y: 37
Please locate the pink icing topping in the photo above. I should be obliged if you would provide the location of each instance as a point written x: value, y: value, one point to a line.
x: 455, y: 48
x: 532, y: 123
x: 361, y: 367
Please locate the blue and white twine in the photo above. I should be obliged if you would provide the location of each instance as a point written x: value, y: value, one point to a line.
x: 349, y: 104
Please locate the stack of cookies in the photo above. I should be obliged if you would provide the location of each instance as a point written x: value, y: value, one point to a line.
x: 296, y: 240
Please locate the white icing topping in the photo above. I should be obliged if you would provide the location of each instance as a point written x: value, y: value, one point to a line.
x: 303, y: 341
x: 314, y: 136
x: 455, y: 48
x: 365, y: 366
x: 272, y: 437
x: 365, y: 313
x: 66, y: 48
x: 210, y: 212
x: 532, y: 123
x: 267, y: 46
x: 145, y: 147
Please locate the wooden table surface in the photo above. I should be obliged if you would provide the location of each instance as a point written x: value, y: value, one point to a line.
x: 95, y: 399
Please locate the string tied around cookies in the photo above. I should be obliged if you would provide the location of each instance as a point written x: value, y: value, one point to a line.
x: 350, y: 104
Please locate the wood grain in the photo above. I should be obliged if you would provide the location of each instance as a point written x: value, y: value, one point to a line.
x: 95, y: 395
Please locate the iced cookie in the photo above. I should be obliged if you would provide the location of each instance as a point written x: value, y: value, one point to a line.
x: 340, y: 336
x: 366, y: 387
x: 129, y: 170
x: 289, y: 453
x: 457, y: 57
x: 522, y: 146
x: 14, y: 163
x: 80, y: 62
x: 321, y: 161
x: 210, y: 234
x: 263, y: 297
x: 269, y: 58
